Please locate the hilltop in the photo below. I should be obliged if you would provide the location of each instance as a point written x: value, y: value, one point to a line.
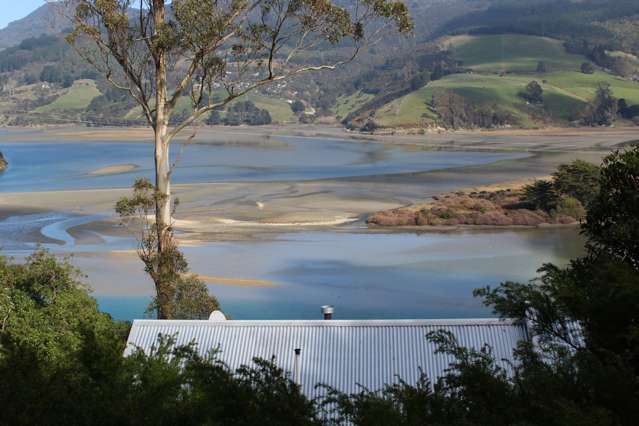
x: 46, y: 20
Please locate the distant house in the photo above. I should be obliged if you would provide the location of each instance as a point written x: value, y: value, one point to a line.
x: 342, y: 354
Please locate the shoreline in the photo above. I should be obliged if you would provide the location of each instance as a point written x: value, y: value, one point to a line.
x: 558, y: 139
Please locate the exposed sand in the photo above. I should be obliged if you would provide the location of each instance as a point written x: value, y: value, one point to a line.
x: 548, y: 139
x: 242, y: 282
x: 244, y: 210
x: 114, y: 169
x: 255, y: 211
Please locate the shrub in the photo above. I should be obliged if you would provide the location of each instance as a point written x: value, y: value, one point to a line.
x: 246, y: 113
x: 603, y: 111
x: 571, y: 207
x: 533, y: 93
x: 578, y: 179
x: 298, y: 107
x: 541, y: 195
x: 587, y: 68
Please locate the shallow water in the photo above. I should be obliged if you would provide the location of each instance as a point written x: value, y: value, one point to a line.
x: 378, y: 275
x: 56, y: 166
x: 396, y: 275
x: 367, y: 275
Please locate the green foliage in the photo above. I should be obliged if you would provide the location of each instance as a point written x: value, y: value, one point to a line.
x: 498, y: 77
x: 541, y: 195
x: 43, y: 307
x: 177, y: 295
x: 456, y: 111
x: 512, y: 53
x: 66, y: 367
x: 603, y: 110
x: 534, y: 93
x: 587, y: 68
x: 78, y: 97
x: 571, y: 207
x: 567, y: 374
x: 397, y: 404
x: 613, y: 223
x: 93, y: 384
x: 45, y: 48
x: 246, y: 113
x: 563, y: 19
x: 298, y: 106
x: 191, y: 299
x: 51, y: 74
x: 578, y: 179
x: 214, y: 119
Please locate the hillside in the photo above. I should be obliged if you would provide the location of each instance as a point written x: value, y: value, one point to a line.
x: 467, y: 65
x: 494, y: 72
x: 46, y: 20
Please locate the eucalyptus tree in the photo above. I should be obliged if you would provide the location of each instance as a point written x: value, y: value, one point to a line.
x: 212, y: 52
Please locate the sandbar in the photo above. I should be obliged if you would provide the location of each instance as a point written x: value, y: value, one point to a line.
x: 114, y: 169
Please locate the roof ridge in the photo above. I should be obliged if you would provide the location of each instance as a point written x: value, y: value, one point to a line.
x: 333, y: 323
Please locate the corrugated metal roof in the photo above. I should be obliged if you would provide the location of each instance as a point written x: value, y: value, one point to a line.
x: 341, y: 354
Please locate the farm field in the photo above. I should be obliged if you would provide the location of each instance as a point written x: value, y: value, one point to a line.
x: 77, y: 97
x: 499, y: 68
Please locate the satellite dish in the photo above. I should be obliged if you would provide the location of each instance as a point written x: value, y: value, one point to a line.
x: 217, y: 316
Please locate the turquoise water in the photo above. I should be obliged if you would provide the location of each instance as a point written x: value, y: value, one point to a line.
x: 369, y: 275
x: 365, y: 275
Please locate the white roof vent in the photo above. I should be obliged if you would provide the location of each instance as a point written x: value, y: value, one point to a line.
x: 217, y: 316
x: 327, y: 311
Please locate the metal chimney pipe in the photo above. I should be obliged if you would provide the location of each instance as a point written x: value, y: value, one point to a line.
x: 298, y: 367
x: 327, y: 311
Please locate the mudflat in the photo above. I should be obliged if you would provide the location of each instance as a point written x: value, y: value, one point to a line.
x: 236, y: 210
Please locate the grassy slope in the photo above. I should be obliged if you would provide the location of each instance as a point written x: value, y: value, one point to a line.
x: 566, y: 90
x: 77, y: 97
x: 512, y: 53
x: 408, y: 110
x: 346, y: 104
x: 279, y: 109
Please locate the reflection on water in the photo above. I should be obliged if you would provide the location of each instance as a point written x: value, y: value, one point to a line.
x: 56, y: 166
x: 370, y: 275
x: 364, y: 275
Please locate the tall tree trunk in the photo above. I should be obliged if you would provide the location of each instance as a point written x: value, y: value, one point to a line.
x: 164, y: 276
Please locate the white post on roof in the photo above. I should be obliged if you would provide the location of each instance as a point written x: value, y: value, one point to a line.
x: 297, y: 367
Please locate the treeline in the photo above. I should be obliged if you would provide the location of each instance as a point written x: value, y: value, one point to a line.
x: 39, y: 49
x: 562, y: 19
x: 457, y: 112
x: 598, y: 54
x: 47, y: 58
x: 604, y: 110
x: 397, y: 76
x: 245, y: 112
x: 589, y: 28
x: 61, y: 358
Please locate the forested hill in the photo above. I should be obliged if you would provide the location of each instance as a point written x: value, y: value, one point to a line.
x: 469, y: 63
x: 47, y: 19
